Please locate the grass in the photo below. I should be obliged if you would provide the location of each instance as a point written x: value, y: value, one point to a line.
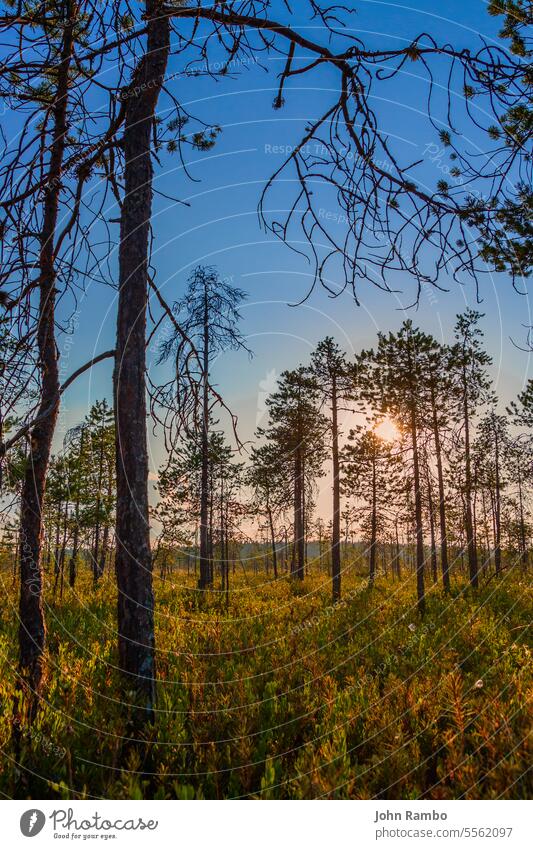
x: 283, y: 695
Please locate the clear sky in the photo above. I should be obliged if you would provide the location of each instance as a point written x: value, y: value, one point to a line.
x: 220, y: 226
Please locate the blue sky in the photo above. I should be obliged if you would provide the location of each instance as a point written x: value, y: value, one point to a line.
x: 220, y: 227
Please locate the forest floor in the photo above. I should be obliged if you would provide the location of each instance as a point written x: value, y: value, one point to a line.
x: 283, y: 695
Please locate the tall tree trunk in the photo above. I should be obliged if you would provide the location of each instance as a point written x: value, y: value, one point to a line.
x: 76, y: 534
x: 133, y: 561
x: 487, y: 560
x: 57, y: 546
x: 107, y: 529
x: 336, y: 529
x: 523, y: 540
x: 204, y: 580
x: 32, y: 632
x: 299, y: 549
x: 103, y: 551
x: 497, y: 508
x: 304, y: 517
x: 373, y: 526
x: 72, y: 568
x: 444, y: 562
x: 96, y: 550
x: 222, y: 540
x: 431, y: 512
x: 227, y: 554
x: 63, y: 551
x: 469, y: 520
x: 397, y: 556
x: 273, y: 543
x: 419, y: 530
x: 210, y: 534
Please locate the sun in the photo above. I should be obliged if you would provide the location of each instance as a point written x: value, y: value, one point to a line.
x: 387, y: 429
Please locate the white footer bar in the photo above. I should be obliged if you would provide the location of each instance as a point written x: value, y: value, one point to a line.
x: 267, y: 825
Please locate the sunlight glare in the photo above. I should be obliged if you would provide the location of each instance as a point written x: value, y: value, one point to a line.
x: 387, y: 429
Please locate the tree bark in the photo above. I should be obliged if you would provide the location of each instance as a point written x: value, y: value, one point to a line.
x: 63, y: 551
x: 57, y: 546
x: 523, y: 540
x: 103, y: 551
x: 32, y: 631
x: 204, y: 580
x: 419, y: 531
x: 444, y: 561
x: 133, y: 554
x: 227, y: 554
x: 273, y: 543
x: 336, y: 528
x: 222, y: 539
x: 107, y: 529
x: 497, y: 508
x: 299, y: 544
x: 373, y: 528
x: 469, y: 521
x: 431, y: 512
x: 397, y: 556
x: 304, y: 516
x: 76, y: 534
x: 96, y: 549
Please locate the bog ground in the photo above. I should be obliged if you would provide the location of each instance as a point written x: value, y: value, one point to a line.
x: 284, y: 695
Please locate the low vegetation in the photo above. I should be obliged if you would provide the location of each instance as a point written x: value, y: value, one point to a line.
x: 284, y: 694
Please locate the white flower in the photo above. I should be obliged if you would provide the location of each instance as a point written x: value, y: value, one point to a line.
x: 479, y: 683
x: 412, y: 627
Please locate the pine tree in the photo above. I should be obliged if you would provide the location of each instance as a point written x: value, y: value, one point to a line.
x: 335, y: 383
x: 99, y: 446
x: 519, y: 469
x: 392, y: 379
x: 468, y: 363
x: 208, y: 317
x: 296, y: 431
x: 266, y: 479
x: 177, y: 511
x: 491, y: 447
x: 521, y: 410
x: 370, y: 474
x: 442, y: 413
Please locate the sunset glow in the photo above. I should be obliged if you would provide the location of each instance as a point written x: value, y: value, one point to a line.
x: 387, y: 429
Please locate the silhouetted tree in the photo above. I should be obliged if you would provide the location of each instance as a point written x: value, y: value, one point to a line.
x: 334, y: 380
x: 392, y: 379
x: 265, y: 477
x: 208, y: 318
x: 296, y: 431
x: 491, y: 445
x: 469, y: 362
x: 370, y: 473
